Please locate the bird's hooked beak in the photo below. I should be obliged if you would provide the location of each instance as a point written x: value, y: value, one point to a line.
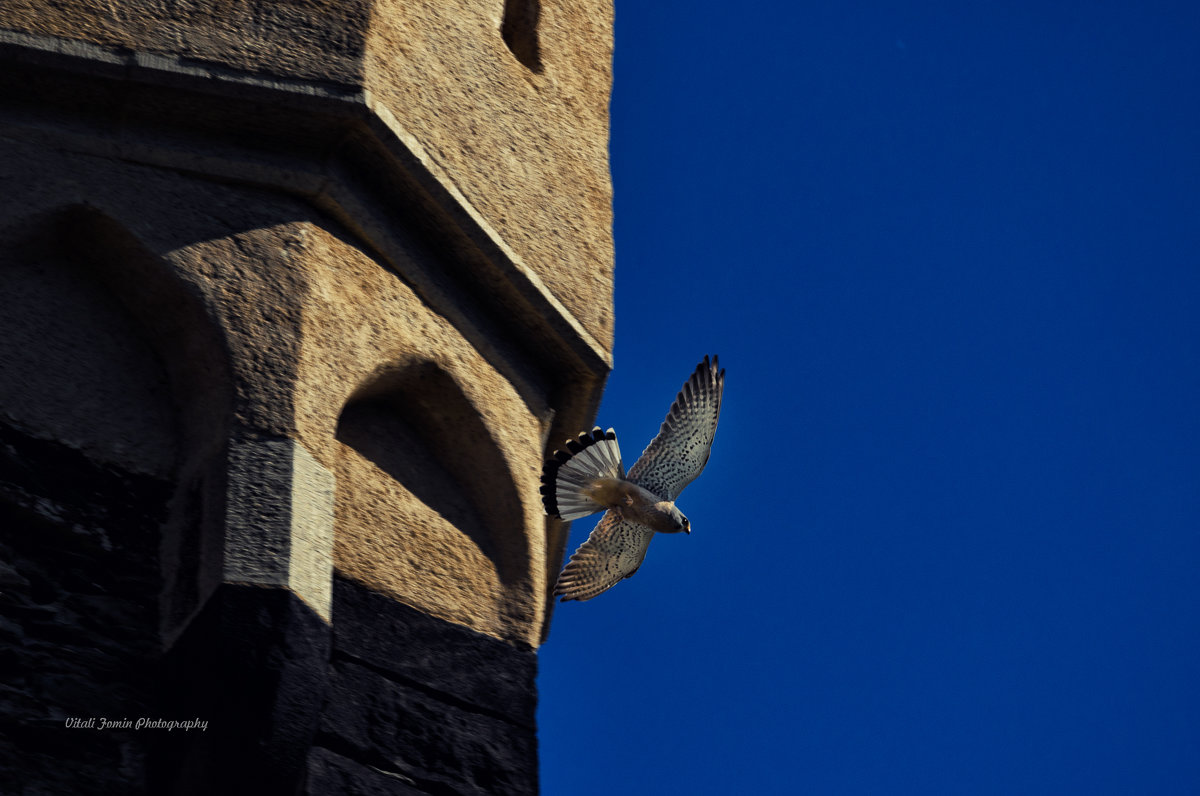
x: 687, y: 527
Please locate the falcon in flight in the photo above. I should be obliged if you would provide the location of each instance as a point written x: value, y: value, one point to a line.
x: 589, y: 477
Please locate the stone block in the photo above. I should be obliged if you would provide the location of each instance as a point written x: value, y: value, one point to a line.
x: 473, y: 669
x: 440, y: 746
x: 329, y: 772
x: 254, y: 665
x: 279, y: 519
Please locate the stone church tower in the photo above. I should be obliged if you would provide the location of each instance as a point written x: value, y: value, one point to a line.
x: 295, y: 295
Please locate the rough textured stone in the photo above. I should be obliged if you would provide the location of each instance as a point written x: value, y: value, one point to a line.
x: 256, y: 247
x: 100, y: 346
x: 303, y: 339
x: 254, y: 665
x: 441, y: 747
x: 78, y: 639
x: 526, y: 147
x: 279, y: 519
x: 426, y: 702
x: 468, y: 667
x: 498, y: 128
x: 329, y: 772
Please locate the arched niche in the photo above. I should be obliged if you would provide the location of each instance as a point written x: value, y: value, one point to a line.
x: 113, y: 403
x: 416, y: 426
x: 113, y: 352
x: 75, y: 364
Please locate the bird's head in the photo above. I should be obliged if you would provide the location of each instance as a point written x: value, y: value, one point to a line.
x: 671, y: 519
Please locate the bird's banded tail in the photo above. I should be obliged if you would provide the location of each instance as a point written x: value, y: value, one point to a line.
x: 568, y: 474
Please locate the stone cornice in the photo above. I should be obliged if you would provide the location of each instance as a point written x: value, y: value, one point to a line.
x: 327, y: 142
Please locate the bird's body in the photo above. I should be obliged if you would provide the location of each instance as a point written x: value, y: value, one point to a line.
x: 635, y: 504
x: 589, y: 477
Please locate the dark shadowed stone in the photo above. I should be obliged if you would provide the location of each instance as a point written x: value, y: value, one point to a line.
x: 443, y: 748
x: 80, y: 574
x: 329, y: 773
x: 481, y: 672
x: 254, y: 665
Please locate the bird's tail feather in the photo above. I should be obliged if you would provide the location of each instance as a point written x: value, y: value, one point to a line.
x: 569, y: 474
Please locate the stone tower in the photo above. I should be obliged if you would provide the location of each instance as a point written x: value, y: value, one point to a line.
x: 294, y: 297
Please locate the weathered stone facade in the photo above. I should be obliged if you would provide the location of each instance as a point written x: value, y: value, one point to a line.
x: 294, y: 297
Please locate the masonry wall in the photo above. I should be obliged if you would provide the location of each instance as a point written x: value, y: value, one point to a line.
x: 293, y: 298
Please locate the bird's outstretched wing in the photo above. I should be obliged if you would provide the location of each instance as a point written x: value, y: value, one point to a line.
x: 676, y: 456
x: 613, y: 551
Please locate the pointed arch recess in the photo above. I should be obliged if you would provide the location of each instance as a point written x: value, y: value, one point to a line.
x: 416, y: 425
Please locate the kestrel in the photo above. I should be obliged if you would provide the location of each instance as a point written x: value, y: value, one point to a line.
x: 588, y: 477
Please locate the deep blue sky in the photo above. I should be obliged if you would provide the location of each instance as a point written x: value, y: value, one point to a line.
x: 949, y: 538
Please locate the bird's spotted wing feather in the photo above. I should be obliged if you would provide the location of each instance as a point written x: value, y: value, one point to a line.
x: 614, y: 551
x: 676, y: 456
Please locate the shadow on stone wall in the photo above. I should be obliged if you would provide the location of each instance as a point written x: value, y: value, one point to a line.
x: 111, y: 432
